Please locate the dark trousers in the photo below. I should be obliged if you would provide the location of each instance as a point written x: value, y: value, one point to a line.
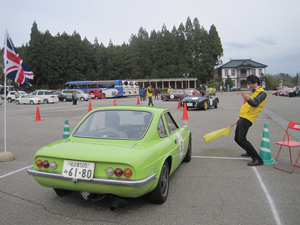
x: 150, y: 101
x: 142, y: 97
x: 241, y: 131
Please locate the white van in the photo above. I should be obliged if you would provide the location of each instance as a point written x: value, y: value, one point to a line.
x: 46, y: 96
x: 80, y: 94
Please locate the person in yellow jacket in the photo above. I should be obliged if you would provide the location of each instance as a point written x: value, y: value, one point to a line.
x: 248, y: 113
x: 169, y: 89
x: 149, y: 95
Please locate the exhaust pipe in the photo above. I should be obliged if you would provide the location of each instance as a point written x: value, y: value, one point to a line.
x: 117, y: 203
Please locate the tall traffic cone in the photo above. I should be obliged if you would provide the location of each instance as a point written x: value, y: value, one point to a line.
x: 265, y: 151
x: 179, y: 106
x: 185, y: 115
x: 66, y: 129
x: 38, y: 116
x: 90, y: 106
x: 115, y: 102
x: 104, y: 96
x: 238, y: 92
x: 138, y: 101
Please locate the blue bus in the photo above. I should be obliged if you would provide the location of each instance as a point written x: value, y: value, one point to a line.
x: 110, y: 88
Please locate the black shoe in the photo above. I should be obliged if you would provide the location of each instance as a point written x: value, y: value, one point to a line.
x: 245, y: 154
x: 256, y: 162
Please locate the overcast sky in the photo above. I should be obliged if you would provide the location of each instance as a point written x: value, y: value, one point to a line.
x: 267, y: 31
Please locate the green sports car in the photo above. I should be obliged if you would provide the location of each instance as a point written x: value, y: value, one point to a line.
x: 125, y: 151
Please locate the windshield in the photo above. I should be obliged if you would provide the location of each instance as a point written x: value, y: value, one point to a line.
x: 115, y: 124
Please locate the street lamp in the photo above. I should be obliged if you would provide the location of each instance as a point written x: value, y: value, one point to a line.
x: 186, y: 76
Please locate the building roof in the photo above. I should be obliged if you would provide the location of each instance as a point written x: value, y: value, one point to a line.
x: 238, y: 63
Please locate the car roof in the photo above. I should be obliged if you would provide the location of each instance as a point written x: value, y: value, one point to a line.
x: 152, y: 109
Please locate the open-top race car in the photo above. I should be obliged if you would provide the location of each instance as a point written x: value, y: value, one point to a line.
x: 200, y: 102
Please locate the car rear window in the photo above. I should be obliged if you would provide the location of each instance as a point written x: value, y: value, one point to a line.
x: 115, y: 124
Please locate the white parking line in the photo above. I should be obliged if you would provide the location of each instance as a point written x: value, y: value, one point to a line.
x: 14, y: 172
x: 270, y: 200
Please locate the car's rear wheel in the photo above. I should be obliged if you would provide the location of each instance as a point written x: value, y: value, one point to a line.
x: 31, y: 102
x: 160, y: 193
x: 216, y: 103
x: 82, y: 99
x: 164, y: 99
x: 46, y: 101
x: 64, y: 99
x: 17, y: 102
x: 62, y: 192
x: 9, y: 100
x: 188, y: 155
x: 96, y: 98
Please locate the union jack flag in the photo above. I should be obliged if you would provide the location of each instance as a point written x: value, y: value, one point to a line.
x: 14, y: 67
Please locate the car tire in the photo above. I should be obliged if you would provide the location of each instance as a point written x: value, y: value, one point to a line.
x: 82, y: 99
x: 45, y: 101
x: 31, y: 102
x: 160, y: 193
x: 17, y: 102
x: 64, y: 99
x: 216, y: 103
x: 62, y: 192
x: 188, y: 155
x: 164, y: 99
x: 96, y: 98
x: 9, y: 100
x: 205, y: 105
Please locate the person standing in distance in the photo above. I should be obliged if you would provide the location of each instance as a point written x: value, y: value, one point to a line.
x: 149, y: 95
x: 248, y: 113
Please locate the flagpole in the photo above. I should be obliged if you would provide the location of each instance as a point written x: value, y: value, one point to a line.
x: 5, y: 156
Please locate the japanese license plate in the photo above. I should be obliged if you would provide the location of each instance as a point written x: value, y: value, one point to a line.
x: 189, y: 104
x: 77, y: 169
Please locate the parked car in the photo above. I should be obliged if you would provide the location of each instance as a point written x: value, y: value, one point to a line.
x: 192, y: 91
x: 46, y: 96
x: 80, y: 94
x: 124, y: 151
x: 64, y: 97
x: 200, y: 102
x: 27, y: 99
x: 95, y: 93
x: 277, y: 92
x: 294, y: 92
x: 174, y: 94
x: 11, y: 95
x: 233, y: 88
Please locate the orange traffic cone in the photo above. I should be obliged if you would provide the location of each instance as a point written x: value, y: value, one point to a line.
x: 179, y: 106
x: 38, y: 116
x: 115, y: 102
x: 138, y: 101
x: 185, y: 115
x: 104, y: 96
x: 238, y: 92
x: 221, y: 92
x: 90, y: 106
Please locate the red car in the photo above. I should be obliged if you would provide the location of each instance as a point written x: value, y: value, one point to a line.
x: 192, y: 92
x: 174, y: 95
x: 95, y: 93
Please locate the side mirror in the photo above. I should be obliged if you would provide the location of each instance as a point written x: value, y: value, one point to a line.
x: 185, y: 124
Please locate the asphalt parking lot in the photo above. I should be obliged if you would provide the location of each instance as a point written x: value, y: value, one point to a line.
x: 216, y: 187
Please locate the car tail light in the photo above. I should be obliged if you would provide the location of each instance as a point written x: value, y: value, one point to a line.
x: 109, y: 171
x: 123, y: 92
x: 51, y: 96
x: 53, y: 165
x: 45, y: 164
x: 127, y: 172
x: 39, y: 163
x: 118, y: 172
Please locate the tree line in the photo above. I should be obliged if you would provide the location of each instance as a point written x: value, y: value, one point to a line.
x: 190, y: 48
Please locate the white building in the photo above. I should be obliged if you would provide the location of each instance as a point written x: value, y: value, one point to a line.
x: 239, y: 69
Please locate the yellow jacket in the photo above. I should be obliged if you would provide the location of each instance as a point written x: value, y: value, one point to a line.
x: 149, y: 92
x: 169, y: 89
x: 251, y: 109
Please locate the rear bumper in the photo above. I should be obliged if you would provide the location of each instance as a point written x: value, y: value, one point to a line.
x: 114, y: 182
